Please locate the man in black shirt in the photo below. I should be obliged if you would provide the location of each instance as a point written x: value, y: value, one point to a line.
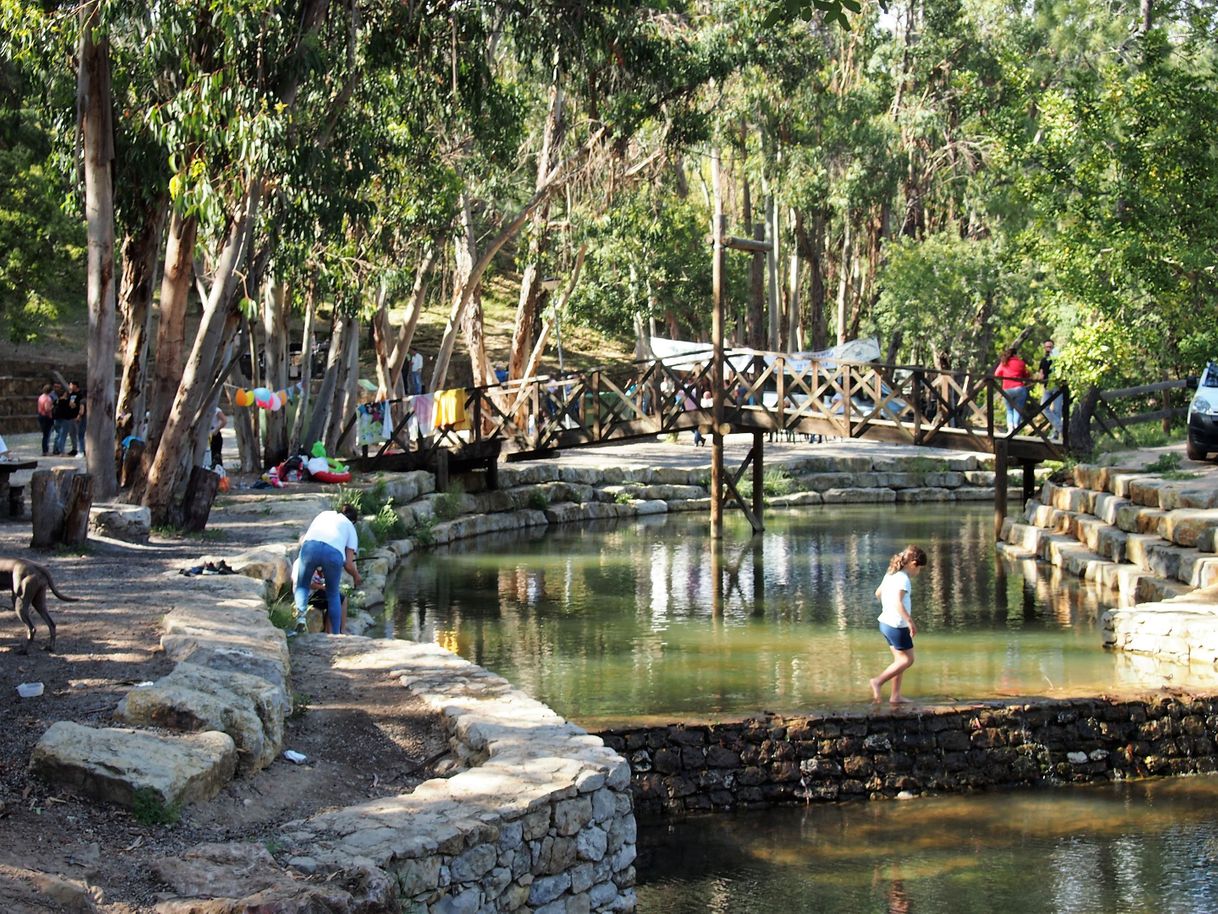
x: 1053, y: 410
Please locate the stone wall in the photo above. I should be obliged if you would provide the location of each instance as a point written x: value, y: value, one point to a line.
x: 775, y: 759
x: 540, y: 819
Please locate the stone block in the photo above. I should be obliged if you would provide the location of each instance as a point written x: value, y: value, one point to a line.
x: 859, y: 496
x: 193, y: 698
x: 127, y: 767
x: 131, y: 523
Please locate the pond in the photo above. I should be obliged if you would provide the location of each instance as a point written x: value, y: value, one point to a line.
x: 642, y: 621
x: 1149, y: 846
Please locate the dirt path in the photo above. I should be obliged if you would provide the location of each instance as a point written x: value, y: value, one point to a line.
x: 362, y: 739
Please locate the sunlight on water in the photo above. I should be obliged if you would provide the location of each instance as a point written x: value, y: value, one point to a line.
x: 617, y: 622
x: 1134, y: 847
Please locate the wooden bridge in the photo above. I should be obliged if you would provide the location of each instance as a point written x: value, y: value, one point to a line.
x: 762, y: 393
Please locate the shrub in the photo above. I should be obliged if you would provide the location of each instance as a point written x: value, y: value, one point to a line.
x: 448, y: 504
x: 539, y: 500
x: 623, y: 498
x: 424, y: 531
x: 386, y: 524
x: 1165, y: 464
x: 148, y: 808
x: 773, y: 483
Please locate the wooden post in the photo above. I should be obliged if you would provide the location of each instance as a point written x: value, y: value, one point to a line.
x: 716, y: 579
x: 1000, y: 485
x: 1029, y: 479
x: 78, y: 501
x: 200, y: 493
x: 441, y: 455
x: 492, y: 474
x: 717, y: 264
x: 758, y: 481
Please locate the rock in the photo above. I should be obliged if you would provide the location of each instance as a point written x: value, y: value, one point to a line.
x: 133, y: 768
x: 192, y: 697
x: 132, y: 523
x: 268, y: 563
x: 240, y: 878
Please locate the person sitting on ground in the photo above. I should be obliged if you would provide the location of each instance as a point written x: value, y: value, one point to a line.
x: 331, y: 544
x: 318, y: 598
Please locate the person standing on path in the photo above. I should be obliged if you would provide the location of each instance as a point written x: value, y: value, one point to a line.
x: 416, y: 372
x: 896, y: 624
x: 330, y: 544
x: 64, y: 413
x: 216, y: 440
x: 82, y: 408
x: 46, y: 422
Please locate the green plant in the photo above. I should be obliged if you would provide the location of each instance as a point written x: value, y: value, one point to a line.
x: 1179, y: 474
x: 424, y: 531
x: 367, y: 537
x: 538, y: 500
x: 148, y: 808
x: 923, y: 465
x: 1166, y: 463
x: 774, y: 482
x: 300, y: 705
x: 623, y: 498
x: 349, y: 495
x: 282, y: 611
x: 448, y: 504
x: 386, y: 524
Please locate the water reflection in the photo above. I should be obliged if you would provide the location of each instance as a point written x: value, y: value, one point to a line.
x: 617, y: 621
x: 1145, y: 847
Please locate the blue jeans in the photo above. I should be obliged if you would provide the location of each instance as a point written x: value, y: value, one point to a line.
x: 64, y: 428
x: 1017, y: 399
x: 314, y: 555
x: 415, y: 385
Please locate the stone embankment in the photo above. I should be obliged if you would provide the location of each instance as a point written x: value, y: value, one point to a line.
x: 901, y: 754
x: 1150, y: 540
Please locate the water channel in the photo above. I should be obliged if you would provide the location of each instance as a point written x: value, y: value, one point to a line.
x: 616, y: 623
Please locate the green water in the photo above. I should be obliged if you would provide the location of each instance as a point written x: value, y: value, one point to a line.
x: 622, y: 621
x: 1137, y: 847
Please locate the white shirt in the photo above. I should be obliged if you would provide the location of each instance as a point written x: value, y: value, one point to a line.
x: 416, y: 362
x: 894, y: 592
x: 333, y: 529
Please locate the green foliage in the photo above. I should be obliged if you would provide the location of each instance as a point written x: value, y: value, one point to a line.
x: 386, y: 524
x: 774, y: 482
x: 447, y: 505
x: 538, y: 500
x: 623, y: 498
x: 424, y: 531
x: 148, y: 808
x: 300, y: 704
x: 1165, y: 463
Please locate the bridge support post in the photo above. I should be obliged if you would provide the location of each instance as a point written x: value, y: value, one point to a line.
x: 1000, y: 485
x: 758, y: 481
x: 1029, y: 479
x: 717, y: 265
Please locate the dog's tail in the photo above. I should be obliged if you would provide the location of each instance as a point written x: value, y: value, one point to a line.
x: 55, y: 590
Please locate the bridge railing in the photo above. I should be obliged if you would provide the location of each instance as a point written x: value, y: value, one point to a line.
x: 762, y: 391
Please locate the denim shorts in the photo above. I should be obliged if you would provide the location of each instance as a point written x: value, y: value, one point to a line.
x: 899, y: 638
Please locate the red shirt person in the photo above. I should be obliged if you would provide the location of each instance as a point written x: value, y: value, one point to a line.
x: 1014, y: 374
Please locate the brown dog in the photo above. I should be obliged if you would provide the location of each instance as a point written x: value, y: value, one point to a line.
x: 29, y: 583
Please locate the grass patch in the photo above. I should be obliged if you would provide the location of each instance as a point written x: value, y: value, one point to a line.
x: 774, y: 482
x: 923, y: 465
x: 1179, y: 474
x: 1166, y: 463
x: 623, y: 498
x: 283, y: 610
x: 424, y: 531
x: 538, y: 500
x: 448, y: 504
x: 148, y: 808
x: 300, y: 705
x: 166, y: 531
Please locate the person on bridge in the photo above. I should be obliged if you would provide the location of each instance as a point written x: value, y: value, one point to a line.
x: 1051, y: 398
x: 1014, y: 374
x: 896, y: 624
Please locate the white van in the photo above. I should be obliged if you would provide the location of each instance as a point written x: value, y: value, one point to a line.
x: 1203, y: 416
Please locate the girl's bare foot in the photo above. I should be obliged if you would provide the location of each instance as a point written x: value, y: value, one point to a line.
x: 899, y: 700
x: 875, y: 689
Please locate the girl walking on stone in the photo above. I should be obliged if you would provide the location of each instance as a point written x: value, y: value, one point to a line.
x: 896, y: 623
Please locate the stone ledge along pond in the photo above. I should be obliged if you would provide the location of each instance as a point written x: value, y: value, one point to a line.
x: 620, y: 623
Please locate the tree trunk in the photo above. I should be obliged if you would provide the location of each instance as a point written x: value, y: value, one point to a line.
x: 463, y: 295
x: 316, y: 430
x: 171, y: 327
x: 140, y: 252
x: 275, y: 328
x: 306, y: 368
x: 466, y: 250
x: 166, y: 473
x: 418, y: 295
x: 97, y: 133
x: 772, y: 217
x: 248, y: 451
x: 346, y: 393
x: 843, y: 282
x: 526, y: 309
x: 380, y: 342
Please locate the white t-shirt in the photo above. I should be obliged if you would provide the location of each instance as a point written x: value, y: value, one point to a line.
x: 416, y: 362
x: 891, y: 597
x: 335, y: 530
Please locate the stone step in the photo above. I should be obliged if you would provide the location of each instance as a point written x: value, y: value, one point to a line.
x: 1176, y: 631
x: 1193, y: 527
x: 195, y: 698
x: 1072, y: 556
x: 148, y: 772
x: 1135, y: 518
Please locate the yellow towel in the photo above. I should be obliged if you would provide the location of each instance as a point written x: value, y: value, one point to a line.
x: 450, y: 409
